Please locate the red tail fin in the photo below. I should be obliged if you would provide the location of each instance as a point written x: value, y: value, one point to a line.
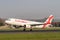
x: 48, y: 21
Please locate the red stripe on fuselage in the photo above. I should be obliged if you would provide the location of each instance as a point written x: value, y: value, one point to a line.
x: 22, y: 21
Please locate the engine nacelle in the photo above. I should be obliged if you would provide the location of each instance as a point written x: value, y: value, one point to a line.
x: 28, y: 26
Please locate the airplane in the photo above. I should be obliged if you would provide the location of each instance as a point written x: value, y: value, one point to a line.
x: 17, y: 23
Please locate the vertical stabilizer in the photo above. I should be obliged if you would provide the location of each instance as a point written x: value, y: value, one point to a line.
x: 48, y: 21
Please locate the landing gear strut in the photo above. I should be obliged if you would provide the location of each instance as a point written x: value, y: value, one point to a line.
x: 31, y: 29
x: 24, y: 28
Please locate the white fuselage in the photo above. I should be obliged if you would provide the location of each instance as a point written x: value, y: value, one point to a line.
x: 29, y: 24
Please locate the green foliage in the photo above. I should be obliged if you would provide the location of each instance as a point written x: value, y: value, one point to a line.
x: 1, y: 24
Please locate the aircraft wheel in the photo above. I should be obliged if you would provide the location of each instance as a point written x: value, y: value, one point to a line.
x: 30, y: 29
x: 24, y: 29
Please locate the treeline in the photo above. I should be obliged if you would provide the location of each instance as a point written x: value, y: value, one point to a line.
x: 2, y: 22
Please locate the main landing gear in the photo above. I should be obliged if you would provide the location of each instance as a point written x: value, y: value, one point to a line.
x: 25, y: 28
x: 31, y: 29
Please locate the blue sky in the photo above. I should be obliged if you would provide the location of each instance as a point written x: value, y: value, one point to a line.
x: 29, y: 9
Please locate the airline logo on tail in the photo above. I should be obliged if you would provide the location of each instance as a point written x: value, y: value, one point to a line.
x: 48, y: 21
